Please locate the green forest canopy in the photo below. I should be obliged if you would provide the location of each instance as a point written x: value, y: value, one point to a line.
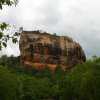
x: 80, y: 83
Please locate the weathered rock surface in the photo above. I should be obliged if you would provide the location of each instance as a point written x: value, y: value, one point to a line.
x: 40, y: 50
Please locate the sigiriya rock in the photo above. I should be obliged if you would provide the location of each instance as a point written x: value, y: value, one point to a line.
x: 40, y: 49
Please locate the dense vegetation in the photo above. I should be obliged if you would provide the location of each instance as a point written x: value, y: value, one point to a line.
x: 80, y: 83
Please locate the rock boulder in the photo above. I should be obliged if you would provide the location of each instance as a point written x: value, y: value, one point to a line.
x: 40, y: 49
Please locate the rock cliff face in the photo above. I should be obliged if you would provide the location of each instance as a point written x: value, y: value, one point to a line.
x: 40, y: 50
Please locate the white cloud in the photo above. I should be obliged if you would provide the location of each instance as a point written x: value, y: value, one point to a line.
x: 79, y: 19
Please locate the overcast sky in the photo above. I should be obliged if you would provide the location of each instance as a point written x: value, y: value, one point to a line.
x: 79, y: 19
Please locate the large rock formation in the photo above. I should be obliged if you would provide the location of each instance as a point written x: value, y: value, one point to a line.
x: 40, y: 50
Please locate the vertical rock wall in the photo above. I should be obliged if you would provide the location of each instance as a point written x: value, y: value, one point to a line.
x: 40, y: 50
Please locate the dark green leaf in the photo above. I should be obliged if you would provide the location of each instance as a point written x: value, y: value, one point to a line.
x: 6, y: 40
x: 3, y: 26
x: 0, y: 6
x: 1, y: 35
x: 16, y: 34
x: 7, y: 36
x: 14, y: 40
x: 4, y: 44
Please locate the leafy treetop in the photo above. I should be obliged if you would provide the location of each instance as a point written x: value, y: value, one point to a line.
x: 3, y: 26
x: 8, y: 2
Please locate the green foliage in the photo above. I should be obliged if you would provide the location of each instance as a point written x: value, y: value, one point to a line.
x: 79, y: 83
x: 10, y: 61
x: 3, y: 26
x: 84, y: 80
x: 4, y: 38
x: 8, y: 85
x: 7, y: 2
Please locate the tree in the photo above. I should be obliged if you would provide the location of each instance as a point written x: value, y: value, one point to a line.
x: 3, y: 26
x: 3, y: 60
x: 7, y: 2
x: 9, y: 85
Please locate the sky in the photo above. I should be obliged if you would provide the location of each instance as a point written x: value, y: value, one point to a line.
x: 78, y: 19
